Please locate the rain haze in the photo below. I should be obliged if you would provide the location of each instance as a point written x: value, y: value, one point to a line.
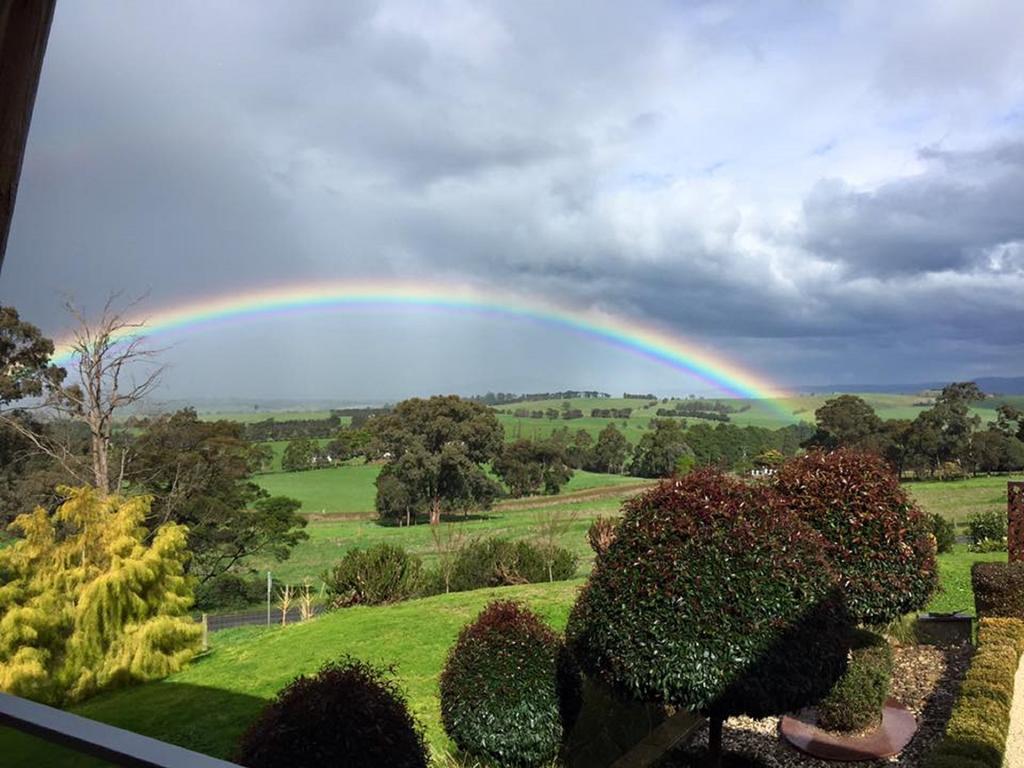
x: 817, y: 193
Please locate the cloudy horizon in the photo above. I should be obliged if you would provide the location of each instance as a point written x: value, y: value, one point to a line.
x: 823, y: 195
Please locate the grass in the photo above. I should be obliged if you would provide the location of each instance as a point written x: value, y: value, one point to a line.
x: 329, y: 540
x: 955, y: 593
x: 207, y: 706
x: 350, y: 489
x: 958, y: 499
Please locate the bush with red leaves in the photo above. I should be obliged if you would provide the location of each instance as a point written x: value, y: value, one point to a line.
x: 712, y: 598
x: 347, y: 714
x: 509, y: 691
x: 878, y: 541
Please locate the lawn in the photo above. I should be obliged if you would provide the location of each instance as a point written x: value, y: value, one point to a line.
x: 957, y: 499
x: 955, y: 593
x: 350, y: 489
x: 329, y: 540
x: 207, y: 706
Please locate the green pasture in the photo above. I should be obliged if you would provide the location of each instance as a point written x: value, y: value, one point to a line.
x: 329, y: 540
x: 957, y: 499
x: 350, y: 489
x: 250, y: 417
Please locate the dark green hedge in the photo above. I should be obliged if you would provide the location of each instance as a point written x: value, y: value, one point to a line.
x: 712, y: 597
x: 348, y: 714
x: 977, y: 728
x: 998, y: 589
x: 877, y: 539
x: 858, y: 697
x: 509, y: 690
x: 500, y: 562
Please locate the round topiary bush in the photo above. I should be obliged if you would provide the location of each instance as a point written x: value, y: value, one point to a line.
x: 878, y: 541
x: 713, y: 598
x: 857, y: 699
x: 347, y: 714
x: 509, y: 691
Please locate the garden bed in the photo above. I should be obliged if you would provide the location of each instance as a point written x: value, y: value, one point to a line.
x: 926, y: 680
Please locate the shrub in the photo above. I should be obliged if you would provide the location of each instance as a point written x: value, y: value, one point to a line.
x: 877, y: 540
x: 714, y: 598
x: 500, y: 562
x: 384, y: 573
x: 977, y: 728
x: 856, y: 700
x: 601, y: 534
x: 987, y: 531
x: 509, y: 690
x: 230, y: 590
x: 944, y: 531
x: 347, y: 714
x: 998, y: 589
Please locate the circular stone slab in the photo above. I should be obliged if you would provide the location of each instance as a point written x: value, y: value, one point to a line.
x: 889, y: 738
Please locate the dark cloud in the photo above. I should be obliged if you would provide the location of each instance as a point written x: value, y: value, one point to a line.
x: 751, y: 178
x: 950, y: 217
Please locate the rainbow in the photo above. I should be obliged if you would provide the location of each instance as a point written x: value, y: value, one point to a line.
x: 641, y: 338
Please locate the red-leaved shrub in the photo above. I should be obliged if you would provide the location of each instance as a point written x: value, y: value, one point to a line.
x: 877, y: 539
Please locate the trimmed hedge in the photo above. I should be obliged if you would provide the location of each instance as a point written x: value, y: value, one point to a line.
x: 856, y: 701
x: 878, y: 541
x: 384, y: 573
x: 509, y: 691
x: 977, y: 729
x: 998, y: 589
x: 347, y: 714
x: 712, y: 597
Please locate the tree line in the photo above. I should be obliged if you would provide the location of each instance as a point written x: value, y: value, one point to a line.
x: 945, y: 441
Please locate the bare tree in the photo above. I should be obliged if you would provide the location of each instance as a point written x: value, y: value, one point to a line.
x: 115, y: 369
x: 550, y: 526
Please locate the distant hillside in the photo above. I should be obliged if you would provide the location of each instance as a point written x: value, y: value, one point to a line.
x: 993, y: 385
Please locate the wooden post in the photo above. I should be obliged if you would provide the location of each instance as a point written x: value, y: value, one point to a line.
x: 1015, y: 521
x: 24, y: 30
x: 206, y: 633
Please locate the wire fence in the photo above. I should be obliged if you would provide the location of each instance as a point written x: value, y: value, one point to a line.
x: 254, y: 618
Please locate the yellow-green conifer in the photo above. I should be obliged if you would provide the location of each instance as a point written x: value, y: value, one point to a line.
x: 89, y: 600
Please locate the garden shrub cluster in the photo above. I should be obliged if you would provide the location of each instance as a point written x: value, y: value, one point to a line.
x: 499, y: 562
x: 712, y: 597
x: 857, y: 699
x: 855, y: 501
x: 349, y: 714
x: 976, y: 732
x: 383, y: 573
x: 998, y: 589
x: 987, y: 531
x: 944, y: 531
x: 509, y: 690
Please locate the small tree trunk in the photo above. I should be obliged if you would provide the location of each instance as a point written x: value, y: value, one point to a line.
x: 435, y: 512
x: 715, y: 741
x: 100, y: 468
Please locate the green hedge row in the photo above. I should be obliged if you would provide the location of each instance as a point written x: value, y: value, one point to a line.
x: 976, y: 732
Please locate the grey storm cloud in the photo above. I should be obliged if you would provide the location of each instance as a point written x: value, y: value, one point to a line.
x: 812, y: 187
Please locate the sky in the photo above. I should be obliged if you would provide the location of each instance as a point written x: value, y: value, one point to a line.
x: 821, y: 193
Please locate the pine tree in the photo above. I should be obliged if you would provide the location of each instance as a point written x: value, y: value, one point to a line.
x: 89, y: 601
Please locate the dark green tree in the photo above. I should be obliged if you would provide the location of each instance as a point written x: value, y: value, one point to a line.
x: 526, y: 467
x: 611, y: 451
x: 660, y: 449
x: 846, y: 421
x: 436, y: 449
x: 198, y: 473
x: 300, y: 455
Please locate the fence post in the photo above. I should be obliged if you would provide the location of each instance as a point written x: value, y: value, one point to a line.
x: 1015, y: 520
x: 206, y: 633
x: 269, y: 588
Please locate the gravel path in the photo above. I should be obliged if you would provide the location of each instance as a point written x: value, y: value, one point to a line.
x: 1015, y: 739
x: 926, y: 679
